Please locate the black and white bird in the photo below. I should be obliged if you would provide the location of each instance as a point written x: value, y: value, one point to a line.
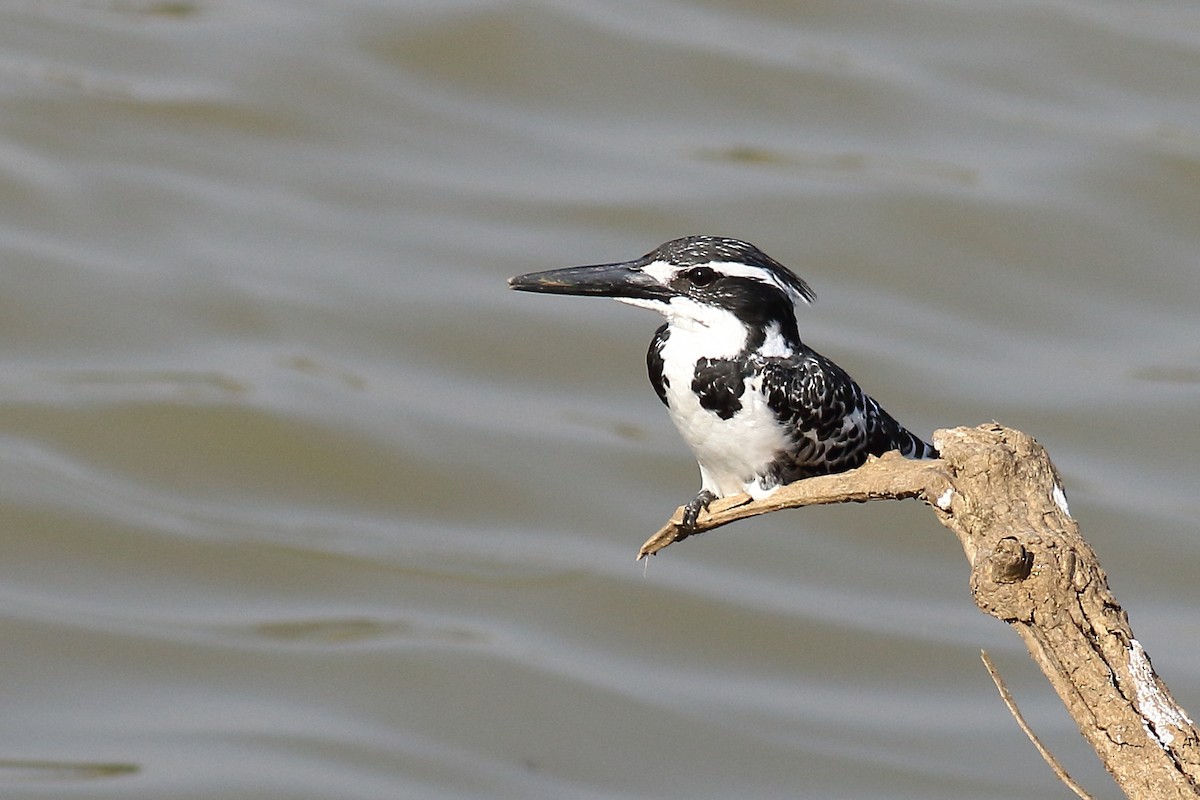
x: 757, y: 406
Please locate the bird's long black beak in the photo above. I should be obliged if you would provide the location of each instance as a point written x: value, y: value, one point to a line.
x: 623, y: 280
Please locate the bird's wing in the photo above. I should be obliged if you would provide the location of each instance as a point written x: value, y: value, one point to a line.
x: 814, y: 397
x: 835, y: 424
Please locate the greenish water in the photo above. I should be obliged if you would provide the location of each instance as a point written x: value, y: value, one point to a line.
x: 298, y: 501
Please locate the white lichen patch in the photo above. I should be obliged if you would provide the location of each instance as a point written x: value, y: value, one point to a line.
x: 1159, y: 712
x: 943, y: 500
x: 1060, y: 498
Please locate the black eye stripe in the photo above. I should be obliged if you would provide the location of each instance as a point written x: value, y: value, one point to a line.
x: 701, y: 276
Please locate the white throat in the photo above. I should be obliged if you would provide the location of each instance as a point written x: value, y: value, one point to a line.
x: 699, y: 330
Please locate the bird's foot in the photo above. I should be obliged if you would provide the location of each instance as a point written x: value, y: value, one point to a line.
x: 692, y: 510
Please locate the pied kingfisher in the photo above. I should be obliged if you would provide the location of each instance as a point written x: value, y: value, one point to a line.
x: 758, y: 407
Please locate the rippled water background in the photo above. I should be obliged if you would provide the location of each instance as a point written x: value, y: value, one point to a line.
x: 298, y: 501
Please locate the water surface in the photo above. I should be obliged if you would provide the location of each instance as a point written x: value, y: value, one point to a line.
x: 300, y: 502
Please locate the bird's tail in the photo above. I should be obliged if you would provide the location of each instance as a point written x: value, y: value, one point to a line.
x: 912, y: 446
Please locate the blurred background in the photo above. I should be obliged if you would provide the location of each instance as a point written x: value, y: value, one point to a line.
x: 297, y: 500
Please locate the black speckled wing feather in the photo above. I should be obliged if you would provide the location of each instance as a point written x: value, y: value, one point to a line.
x: 834, y: 424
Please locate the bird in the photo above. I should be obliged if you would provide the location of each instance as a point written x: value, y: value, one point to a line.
x: 757, y: 406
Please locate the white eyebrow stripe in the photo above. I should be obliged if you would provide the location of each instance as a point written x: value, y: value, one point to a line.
x: 661, y: 271
x: 664, y: 272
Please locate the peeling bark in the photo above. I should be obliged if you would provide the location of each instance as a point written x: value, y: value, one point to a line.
x: 997, y: 490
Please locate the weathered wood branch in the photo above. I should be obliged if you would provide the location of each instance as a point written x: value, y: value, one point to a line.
x: 997, y: 490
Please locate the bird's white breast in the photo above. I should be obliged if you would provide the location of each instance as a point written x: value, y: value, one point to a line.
x: 732, y: 452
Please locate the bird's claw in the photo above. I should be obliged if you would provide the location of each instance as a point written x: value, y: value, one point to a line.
x: 692, y: 510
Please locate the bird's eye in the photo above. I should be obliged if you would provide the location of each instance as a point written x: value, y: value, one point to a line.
x: 701, y: 276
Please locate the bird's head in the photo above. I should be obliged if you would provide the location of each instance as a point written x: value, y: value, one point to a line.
x: 698, y: 282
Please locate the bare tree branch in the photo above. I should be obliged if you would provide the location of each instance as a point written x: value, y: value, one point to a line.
x: 890, y: 477
x: 1047, y: 756
x: 997, y: 490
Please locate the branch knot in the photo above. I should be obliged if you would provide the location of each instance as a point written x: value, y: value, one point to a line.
x: 1010, y: 561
